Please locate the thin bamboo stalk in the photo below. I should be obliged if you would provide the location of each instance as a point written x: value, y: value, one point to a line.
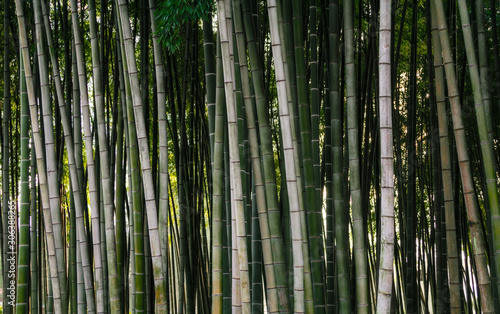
x: 23, y: 266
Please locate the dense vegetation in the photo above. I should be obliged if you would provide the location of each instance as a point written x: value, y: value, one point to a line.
x: 250, y: 156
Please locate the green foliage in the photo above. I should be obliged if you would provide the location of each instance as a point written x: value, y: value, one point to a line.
x: 172, y: 15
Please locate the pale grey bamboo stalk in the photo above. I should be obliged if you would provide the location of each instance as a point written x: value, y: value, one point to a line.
x: 42, y: 174
x: 142, y: 136
x: 236, y: 302
x: 106, y: 181
x: 51, y: 159
x: 308, y: 285
x: 290, y: 164
x: 386, y: 263
x: 237, y: 206
x: 359, y: 242
x: 163, y: 142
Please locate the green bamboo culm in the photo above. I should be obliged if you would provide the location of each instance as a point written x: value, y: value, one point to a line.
x: 6, y: 152
x: 359, y: 248
x: 446, y: 172
x: 218, y: 196
x: 471, y: 205
x: 23, y: 267
x: 269, y: 174
x: 263, y: 219
x: 149, y: 192
x: 484, y: 128
x: 341, y: 217
x: 311, y: 178
x: 34, y: 272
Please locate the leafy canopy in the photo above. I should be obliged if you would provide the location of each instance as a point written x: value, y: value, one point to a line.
x: 171, y: 15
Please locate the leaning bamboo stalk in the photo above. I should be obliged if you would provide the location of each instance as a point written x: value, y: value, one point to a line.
x: 238, y: 216
x: 104, y: 165
x: 473, y: 214
x: 42, y: 174
x: 484, y: 68
x: 142, y: 136
x: 291, y: 170
x: 50, y: 155
x: 162, y: 128
x: 136, y: 221
x: 120, y: 175
x: 444, y: 143
x: 292, y: 103
x: 218, y: 199
x: 484, y: 127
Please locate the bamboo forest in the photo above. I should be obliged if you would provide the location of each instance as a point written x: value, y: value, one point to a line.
x: 249, y: 156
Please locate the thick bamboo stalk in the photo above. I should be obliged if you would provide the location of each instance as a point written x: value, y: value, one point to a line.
x: 385, y: 268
